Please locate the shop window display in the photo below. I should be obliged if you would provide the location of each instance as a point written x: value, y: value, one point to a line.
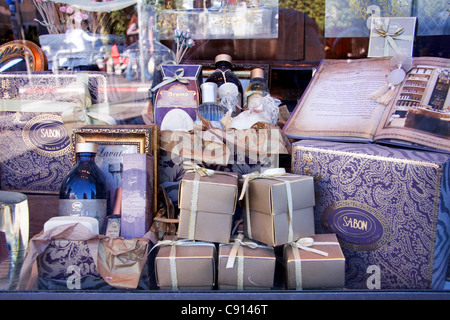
x: 118, y: 63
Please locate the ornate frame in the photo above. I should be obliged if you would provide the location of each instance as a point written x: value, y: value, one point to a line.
x: 27, y: 50
x: 145, y: 137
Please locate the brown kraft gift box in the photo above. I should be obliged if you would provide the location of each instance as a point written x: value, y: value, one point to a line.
x: 185, y: 265
x: 246, y: 265
x: 266, y: 208
x: 206, y: 212
x: 315, y: 270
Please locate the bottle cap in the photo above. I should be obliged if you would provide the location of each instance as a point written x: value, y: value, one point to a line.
x: 85, y: 147
x: 257, y: 73
x: 209, y: 92
x: 223, y: 57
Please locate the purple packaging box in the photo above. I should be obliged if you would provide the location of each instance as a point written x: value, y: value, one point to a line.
x: 137, y: 195
x: 36, y: 147
x: 389, y: 208
x: 178, y: 94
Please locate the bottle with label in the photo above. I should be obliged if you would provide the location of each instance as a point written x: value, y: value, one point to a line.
x: 230, y: 92
x: 209, y: 109
x: 84, y: 191
x: 256, y: 88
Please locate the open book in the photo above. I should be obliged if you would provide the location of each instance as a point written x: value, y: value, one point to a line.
x: 337, y: 104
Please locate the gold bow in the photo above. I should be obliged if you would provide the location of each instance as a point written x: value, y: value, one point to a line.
x: 193, y: 167
x: 177, y: 76
x: 383, y: 31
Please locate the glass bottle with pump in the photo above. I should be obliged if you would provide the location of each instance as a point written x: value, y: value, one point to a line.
x: 209, y: 109
x: 84, y: 191
x: 230, y: 92
x: 256, y: 88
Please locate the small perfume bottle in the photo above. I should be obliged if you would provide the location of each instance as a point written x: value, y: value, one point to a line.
x: 209, y: 109
x: 256, y: 88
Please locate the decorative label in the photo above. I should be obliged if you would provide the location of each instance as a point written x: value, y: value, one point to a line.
x: 359, y: 226
x: 46, y: 135
x: 95, y: 208
x: 177, y: 95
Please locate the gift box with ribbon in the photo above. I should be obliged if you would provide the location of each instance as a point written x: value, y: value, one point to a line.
x: 391, y: 35
x: 207, y: 202
x: 37, y: 114
x: 314, y: 263
x: 278, y: 206
x: 245, y: 265
x: 185, y: 265
x: 179, y: 89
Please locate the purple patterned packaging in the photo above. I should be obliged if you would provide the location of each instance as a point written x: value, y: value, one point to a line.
x: 137, y: 195
x: 179, y: 89
x: 389, y: 208
x: 34, y: 138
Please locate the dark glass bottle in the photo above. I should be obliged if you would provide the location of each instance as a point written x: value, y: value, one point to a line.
x: 230, y: 92
x: 84, y: 191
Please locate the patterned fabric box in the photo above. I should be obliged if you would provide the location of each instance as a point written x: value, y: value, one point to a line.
x: 388, y: 207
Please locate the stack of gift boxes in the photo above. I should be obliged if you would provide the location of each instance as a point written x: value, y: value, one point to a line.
x: 278, y: 215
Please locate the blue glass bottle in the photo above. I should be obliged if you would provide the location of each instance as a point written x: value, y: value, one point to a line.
x: 209, y: 109
x: 84, y: 191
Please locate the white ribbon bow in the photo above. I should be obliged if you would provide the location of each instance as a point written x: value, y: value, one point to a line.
x: 237, y: 253
x: 305, y: 244
x: 82, y: 110
x: 177, y: 76
x: 382, y: 31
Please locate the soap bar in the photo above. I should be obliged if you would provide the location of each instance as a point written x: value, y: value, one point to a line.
x: 88, y: 222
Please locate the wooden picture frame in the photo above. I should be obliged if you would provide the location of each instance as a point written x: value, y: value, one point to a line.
x: 115, y: 140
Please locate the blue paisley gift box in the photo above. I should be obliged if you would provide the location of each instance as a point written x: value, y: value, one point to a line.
x: 36, y: 116
x: 388, y: 207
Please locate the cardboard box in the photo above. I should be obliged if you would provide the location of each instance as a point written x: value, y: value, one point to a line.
x: 388, y: 207
x: 210, y: 217
x: 193, y: 266
x: 268, y: 219
x: 311, y: 270
x: 176, y: 94
x: 256, y: 271
x: 137, y: 195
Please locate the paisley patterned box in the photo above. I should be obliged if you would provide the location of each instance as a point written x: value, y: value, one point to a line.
x: 36, y: 151
x: 389, y: 208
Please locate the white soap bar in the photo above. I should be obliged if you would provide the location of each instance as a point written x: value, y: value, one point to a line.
x: 88, y: 222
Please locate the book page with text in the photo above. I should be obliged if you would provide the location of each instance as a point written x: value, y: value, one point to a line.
x: 336, y: 104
